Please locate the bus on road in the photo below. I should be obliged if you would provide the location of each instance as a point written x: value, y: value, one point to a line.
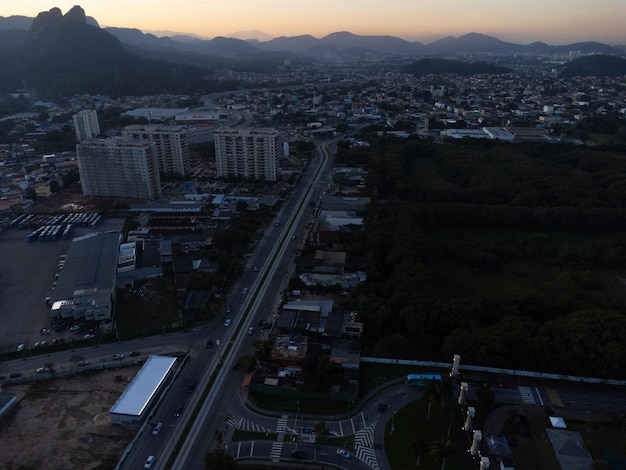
x: 419, y: 380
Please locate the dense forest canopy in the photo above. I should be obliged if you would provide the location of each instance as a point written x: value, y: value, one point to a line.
x: 510, y: 255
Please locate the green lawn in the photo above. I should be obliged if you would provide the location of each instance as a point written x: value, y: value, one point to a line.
x: 410, y: 425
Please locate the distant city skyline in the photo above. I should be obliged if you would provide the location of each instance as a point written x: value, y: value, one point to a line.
x: 551, y: 21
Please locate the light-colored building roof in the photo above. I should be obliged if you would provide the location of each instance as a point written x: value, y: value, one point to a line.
x: 143, y: 388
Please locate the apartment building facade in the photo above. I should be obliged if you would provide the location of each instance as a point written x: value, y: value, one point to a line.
x: 172, y: 148
x: 86, y: 124
x: 248, y: 153
x: 122, y: 168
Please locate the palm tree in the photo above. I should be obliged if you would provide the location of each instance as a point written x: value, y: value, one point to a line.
x: 419, y: 445
x: 441, y: 450
x: 431, y: 392
x: 450, y: 413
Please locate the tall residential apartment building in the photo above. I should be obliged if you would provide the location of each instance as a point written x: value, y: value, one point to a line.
x: 86, y: 124
x: 248, y: 153
x: 171, y: 145
x: 123, y: 168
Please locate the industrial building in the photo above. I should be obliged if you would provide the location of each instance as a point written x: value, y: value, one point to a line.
x: 86, y: 285
x: 204, y: 115
x: 134, y: 404
x: 248, y: 153
x: 122, y: 168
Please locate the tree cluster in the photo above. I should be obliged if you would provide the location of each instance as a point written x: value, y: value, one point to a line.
x: 510, y: 255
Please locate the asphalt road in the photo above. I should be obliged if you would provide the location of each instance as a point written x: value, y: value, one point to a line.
x: 264, y: 288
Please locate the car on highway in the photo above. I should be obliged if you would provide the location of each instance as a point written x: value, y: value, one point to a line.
x: 178, y: 411
x: 250, y: 330
x: 298, y: 454
x: 208, y: 344
x: 245, y: 291
x: 191, y: 388
x: 20, y: 347
x: 149, y: 462
x: 15, y: 375
x: 229, y: 309
x: 42, y: 370
x: 118, y: 356
x: 344, y: 453
x: 255, y: 269
x: 227, y: 322
x: 134, y: 353
x: 382, y: 407
x: 157, y: 427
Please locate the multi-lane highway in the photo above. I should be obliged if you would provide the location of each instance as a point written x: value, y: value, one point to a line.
x: 273, y: 261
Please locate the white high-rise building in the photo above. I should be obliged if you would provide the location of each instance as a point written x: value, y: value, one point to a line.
x: 248, y: 153
x: 171, y: 146
x: 86, y: 124
x: 122, y: 168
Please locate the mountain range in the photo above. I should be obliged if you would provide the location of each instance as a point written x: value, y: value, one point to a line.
x: 71, y: 53
x: 344, y: 43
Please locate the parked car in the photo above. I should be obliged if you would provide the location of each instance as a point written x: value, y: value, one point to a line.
x: 157, y: 427
x: 89, y: 336
x: 15, y: 375
x: 149, y: 462
x: 344, y: 453
x: 45, y: 331
x: 298, y: 454
x: 382, y: 407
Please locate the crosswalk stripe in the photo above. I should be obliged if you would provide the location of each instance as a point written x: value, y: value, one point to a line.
x: 363, y: 446
x: 527, y: 395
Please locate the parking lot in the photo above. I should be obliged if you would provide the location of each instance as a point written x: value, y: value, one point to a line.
x: 26, y: 275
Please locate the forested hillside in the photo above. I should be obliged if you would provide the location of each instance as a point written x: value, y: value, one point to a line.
x: 510, y: 255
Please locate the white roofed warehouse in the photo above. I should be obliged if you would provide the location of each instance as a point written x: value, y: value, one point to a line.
x: 135, y: 403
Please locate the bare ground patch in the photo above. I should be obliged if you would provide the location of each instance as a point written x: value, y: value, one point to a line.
x: 64, y: 424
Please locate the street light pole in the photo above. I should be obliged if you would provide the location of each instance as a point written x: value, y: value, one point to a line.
x: 295, y: 425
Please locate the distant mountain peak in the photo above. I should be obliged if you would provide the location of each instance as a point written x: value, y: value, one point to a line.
x: 46, y: 20
x: 251, y: 34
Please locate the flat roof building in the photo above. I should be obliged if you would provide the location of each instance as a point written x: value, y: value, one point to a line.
x: 86, y: 285
x: 86, y: 124
x: 133, y: 406
x: 172, y: 148
x: 248, y: 153
x: 122, y: 168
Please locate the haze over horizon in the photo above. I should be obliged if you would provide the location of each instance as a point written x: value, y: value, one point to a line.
x: 554, y: 22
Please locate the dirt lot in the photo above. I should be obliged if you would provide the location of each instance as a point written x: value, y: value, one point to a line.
x: 64, y: 424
